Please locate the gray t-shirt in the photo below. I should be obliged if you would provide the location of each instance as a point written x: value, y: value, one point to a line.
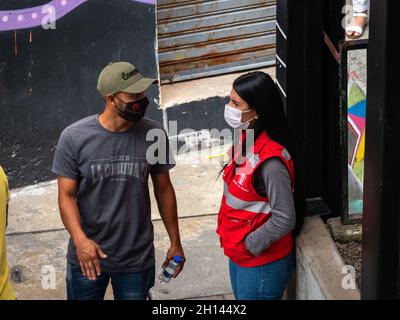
x: 113, y: 195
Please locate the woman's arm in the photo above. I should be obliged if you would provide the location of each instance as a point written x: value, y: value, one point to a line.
x: 273, y: 180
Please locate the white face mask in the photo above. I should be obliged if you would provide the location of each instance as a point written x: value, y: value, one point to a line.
x: 233, y: 117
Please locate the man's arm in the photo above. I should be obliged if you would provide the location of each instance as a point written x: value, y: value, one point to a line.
x: 88, y: 251
x: 166, y: 201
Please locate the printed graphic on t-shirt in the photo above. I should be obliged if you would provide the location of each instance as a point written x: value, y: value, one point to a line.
x: 119, y: 168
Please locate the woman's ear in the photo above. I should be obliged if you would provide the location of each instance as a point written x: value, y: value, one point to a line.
x: 256, y: 115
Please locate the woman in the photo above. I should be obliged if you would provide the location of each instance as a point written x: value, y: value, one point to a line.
x: 259, y: 211
x: 356, y: 30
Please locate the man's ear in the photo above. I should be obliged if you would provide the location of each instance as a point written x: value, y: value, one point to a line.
x: 109, y: 98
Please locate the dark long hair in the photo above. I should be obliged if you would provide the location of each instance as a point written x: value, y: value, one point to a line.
x: 261, y: 93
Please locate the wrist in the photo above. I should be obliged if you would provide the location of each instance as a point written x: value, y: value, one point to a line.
x: 176, y: 244
x: 175, y: 240
x: 78, y: 238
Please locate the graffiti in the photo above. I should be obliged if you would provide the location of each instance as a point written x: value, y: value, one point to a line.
x: 47, y: 71
x: 33, y: 17
x: 356, y: 143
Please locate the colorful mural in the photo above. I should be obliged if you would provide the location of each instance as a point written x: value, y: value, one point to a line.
x: 32, y: 17
x: 48, y: 76
x: 356, y: 143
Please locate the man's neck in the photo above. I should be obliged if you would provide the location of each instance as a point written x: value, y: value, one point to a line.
x: 112, y: 122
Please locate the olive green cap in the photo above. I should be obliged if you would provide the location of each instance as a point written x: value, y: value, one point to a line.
x: 122, y: 77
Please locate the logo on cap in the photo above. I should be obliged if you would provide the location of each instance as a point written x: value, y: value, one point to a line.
x: 126, y: 76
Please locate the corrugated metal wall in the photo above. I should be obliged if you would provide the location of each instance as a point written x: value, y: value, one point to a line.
x: 198, y: 38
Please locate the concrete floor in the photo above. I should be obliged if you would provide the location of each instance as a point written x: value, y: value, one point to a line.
x: 205, y: 273
x: 357, y: 67
x: 37, y: 241
x: 35, y: 208
x: 201, y: 89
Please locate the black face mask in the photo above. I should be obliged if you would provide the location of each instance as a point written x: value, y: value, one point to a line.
x: 134, y: 110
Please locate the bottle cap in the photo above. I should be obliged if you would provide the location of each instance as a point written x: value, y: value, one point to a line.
x: 178, y: 259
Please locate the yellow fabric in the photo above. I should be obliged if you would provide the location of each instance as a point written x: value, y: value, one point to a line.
x: 6, y: 290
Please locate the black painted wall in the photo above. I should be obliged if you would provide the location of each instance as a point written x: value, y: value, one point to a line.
x: 311, y: 82
x: 51, y: 82
x: 205, y: 114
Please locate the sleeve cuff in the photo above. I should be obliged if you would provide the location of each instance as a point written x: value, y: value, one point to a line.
x: 66, y: 175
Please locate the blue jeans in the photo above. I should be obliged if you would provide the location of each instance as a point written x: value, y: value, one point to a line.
x: 126, y: 285
x: 266, y: 282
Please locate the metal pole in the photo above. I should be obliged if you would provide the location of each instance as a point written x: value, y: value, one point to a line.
x: 380, y: 249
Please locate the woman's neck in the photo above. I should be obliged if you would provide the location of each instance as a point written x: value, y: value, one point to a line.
x: 252, y: 124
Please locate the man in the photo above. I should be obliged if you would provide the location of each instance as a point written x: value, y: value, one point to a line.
x: 103, y: 169
x: 6, y: 291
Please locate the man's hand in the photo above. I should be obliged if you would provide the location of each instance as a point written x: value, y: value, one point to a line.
x: 172, y: 252
x: 166, y: 201
x: 88, y: 253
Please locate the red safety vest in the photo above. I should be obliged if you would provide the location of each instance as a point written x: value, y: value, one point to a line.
x: 243, y: 210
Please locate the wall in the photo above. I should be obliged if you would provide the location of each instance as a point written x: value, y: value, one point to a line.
x: 48, y: 77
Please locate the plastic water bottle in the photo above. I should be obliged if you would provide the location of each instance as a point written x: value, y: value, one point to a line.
x: 167, y: 273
